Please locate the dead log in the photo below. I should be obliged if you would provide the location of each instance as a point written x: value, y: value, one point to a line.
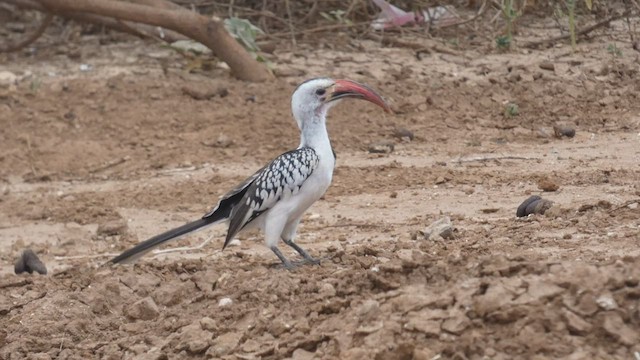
x: 210, y: 32
x: 31, y: 38
x: 136, y: 29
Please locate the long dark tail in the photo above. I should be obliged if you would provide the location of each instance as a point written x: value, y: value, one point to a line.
x: 142, y: 248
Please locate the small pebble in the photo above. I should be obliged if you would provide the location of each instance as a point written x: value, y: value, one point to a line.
x: 547, y: 65
x: 403, y: 133
x: 382, y: 147
x: 546, y: 184
x: 441, y: 228
x: 225, y: 302
x: 234, y: 242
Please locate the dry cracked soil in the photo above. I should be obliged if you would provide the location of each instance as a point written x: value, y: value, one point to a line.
x: 95, y: 159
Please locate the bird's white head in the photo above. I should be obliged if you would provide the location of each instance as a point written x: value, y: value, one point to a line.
x: 313, y: 98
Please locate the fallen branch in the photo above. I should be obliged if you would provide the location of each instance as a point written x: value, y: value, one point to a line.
x: 110, y: 164
x: 141, y: 30
x: 210, y: 32
x: 625, y: 204
x: 31, y: 38
x: 580, y: 32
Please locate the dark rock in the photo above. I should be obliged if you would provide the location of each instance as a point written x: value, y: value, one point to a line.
x: 29, y: 262
x: 533, y: 205
x: 560, y: 131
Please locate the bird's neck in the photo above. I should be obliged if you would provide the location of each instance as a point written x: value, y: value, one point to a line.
x: 314, y: 133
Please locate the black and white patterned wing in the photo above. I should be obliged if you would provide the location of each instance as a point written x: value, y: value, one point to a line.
x: 226, y: 204
x: 282, y: 177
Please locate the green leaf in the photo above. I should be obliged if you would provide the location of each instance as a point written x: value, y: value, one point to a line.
x: 243, y: 31
x: 588, y: 3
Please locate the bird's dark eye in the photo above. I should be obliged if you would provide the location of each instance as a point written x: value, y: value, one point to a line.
x: 320, y: 92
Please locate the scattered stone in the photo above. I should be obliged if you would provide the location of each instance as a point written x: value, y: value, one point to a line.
x: 381, y: 147
x: 546, y: 184
x: 534, y: 204
x: 576, y: 324
x: 327, y: 290
x: 441, y: 228
x: 560, y: 131
x: 204, y: 94
x: 427, y: 327
x: 468, y: 189
x: 456, y: 324
x: 29, y: 262
x: 606, y: 302
x: 368, y: 308
x: 170, y: 294
x: 194, y: 339
x: 370, y: 328
x: 112, y: 228
x: 539, y: 289
x: 607, y: 100
x: 302, y: 354
x: 423, y: 354
x: 403, y: 134
x: 145, y: 309
x: 547, y: 65
x: 8, y: 80
x: 555, y: 212
x: 208, y: 324
x: 615, y: 326
x: 223, y: 345
x: 223, y: 141
x: 495, y: 297
x: 234, y: 242
x: 225, y: 302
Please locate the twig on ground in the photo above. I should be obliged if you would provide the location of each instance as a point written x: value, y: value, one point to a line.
x: 110, y: 164
x: 76, y: 257
x: 31, y: 38
x: 580, y: 32
x: 20, y: 282
x: 625, y: 204
x: 491, y: 158
x: 5, y: 311
x: 418, y: 47
x: 184, y: 248
x: 321, y: 29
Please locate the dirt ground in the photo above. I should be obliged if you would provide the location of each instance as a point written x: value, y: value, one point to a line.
x: 93, y: 160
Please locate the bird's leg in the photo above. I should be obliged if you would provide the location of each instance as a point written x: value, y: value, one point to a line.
x: 285, y: 262
x: 308, y: 258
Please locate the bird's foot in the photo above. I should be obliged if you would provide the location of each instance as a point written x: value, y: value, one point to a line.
x: 285, y: 262
x: 311, y: 260
x: 308, y: 259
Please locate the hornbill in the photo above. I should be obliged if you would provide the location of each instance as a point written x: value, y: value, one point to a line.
x: 275, y: 197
